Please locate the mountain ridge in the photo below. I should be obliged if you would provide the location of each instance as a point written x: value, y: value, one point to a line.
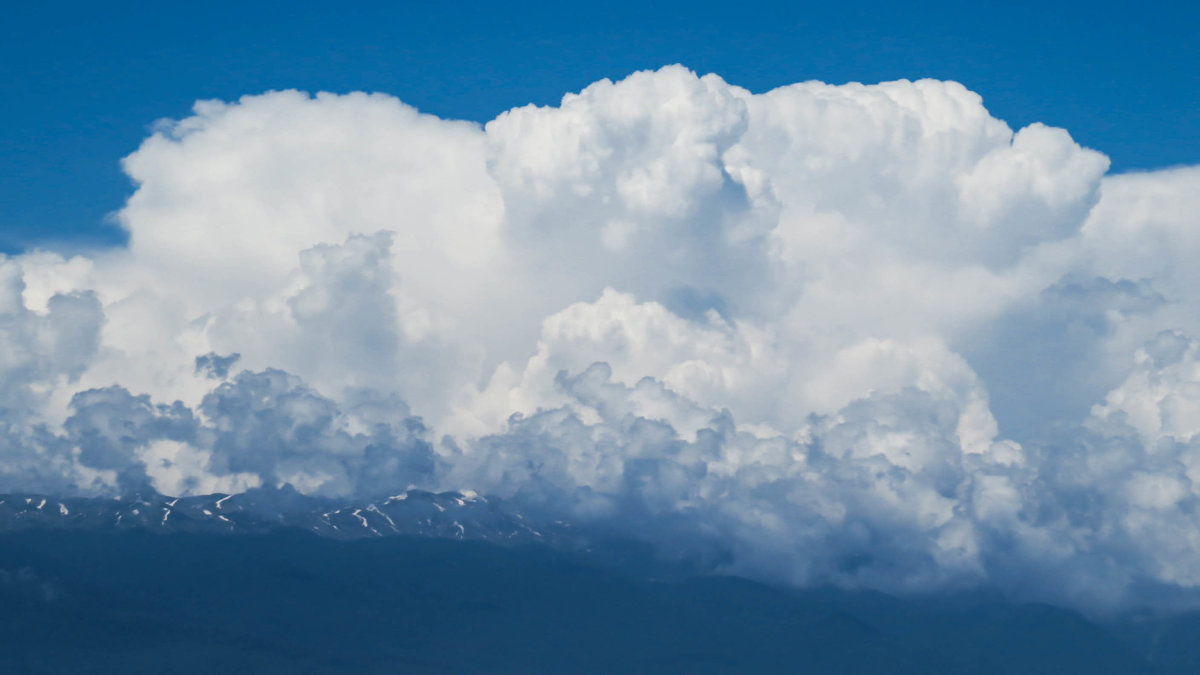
x: 463, y: 515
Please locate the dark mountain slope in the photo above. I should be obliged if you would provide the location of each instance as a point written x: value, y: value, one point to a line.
x: 288, y: 601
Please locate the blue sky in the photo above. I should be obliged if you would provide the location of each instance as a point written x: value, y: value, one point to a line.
x: 83, y: 81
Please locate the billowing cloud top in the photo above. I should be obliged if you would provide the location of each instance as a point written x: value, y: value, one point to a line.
x: 862, y: 335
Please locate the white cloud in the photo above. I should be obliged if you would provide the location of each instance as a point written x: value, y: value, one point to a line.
x: 866, y: 335
x: 176, y: 468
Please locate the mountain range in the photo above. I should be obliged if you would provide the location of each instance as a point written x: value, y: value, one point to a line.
x: 273, y: 581
x: 453, y: 515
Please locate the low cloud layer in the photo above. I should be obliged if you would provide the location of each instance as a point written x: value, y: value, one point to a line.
x: 862, y: 335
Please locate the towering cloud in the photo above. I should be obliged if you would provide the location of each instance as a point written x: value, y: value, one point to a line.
x: 864, y: 335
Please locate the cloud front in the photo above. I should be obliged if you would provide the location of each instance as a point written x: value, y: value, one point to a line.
x: 863, y: 335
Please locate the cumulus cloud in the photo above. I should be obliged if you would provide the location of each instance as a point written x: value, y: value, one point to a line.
x: 859, y: 334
